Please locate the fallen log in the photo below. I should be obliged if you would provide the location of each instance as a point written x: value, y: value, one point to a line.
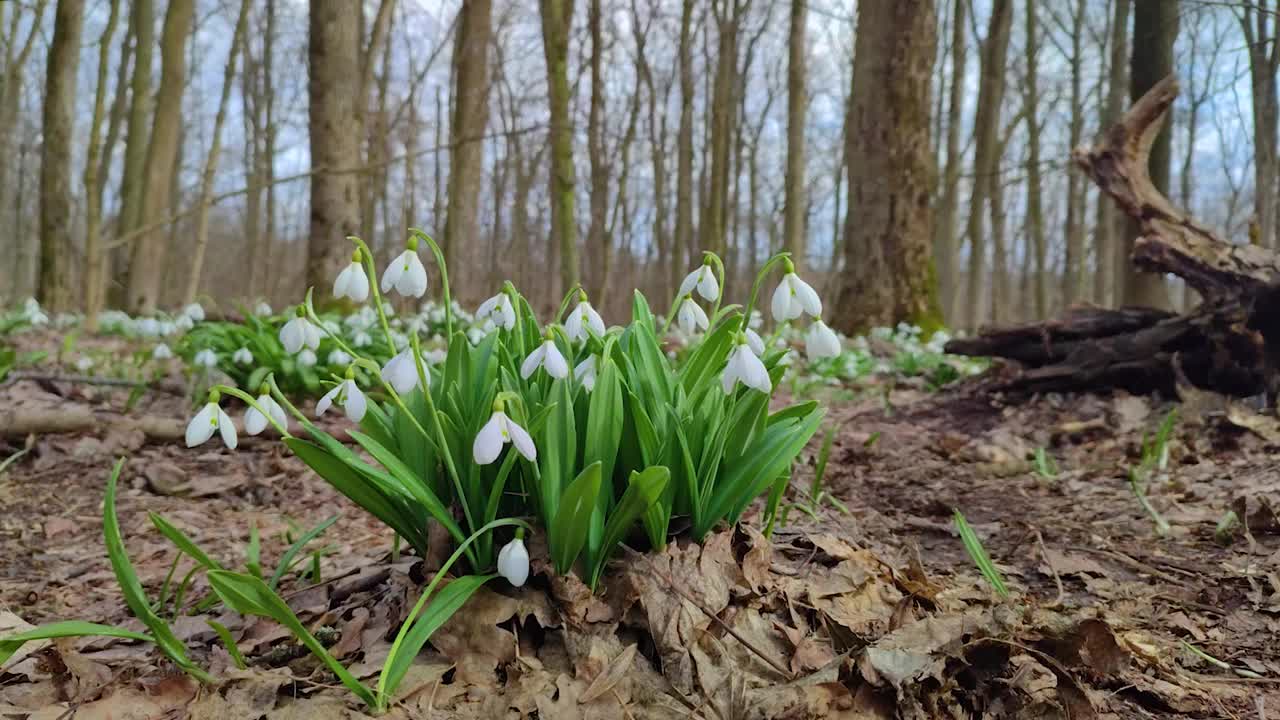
x: 1230, y: 343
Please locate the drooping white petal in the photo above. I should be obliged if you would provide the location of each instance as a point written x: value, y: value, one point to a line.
x: 755, y: 342
x: 821, y: 341
x: 690, y: 282
x: 533, y: 362
x: 201, y: 427
x: 277, y: 412
x: 227, y: 428
x: 573, y: 325
x: 161, y: 352
x: 311, y: 334
x: 407, y: 275
x: 392, y: 274
x: 506, y: 315
x: 786, y: 306
x: 593, y: 319
x: 254, y: 421
x: 754, y: 374
x: 555, y: 364
x: 307, y: 358
x: 585, y: 373
x: 486, y: 308
x: 732, y: 372
x: 513, y: 562
x: 691, y: 317
x: 521, y: 441
x: 807, y: 296
x: 293, y: 335
x: 401, y: 372
x: 489, y: 441
x: 707, y: 285
x: 352, y: 283
x: 327, y: 401
x: 354, y: 403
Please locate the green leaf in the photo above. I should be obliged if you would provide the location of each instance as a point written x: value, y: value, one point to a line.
x: 67, y: 628
x: 286, y: 561
x: 229, y: 642
x: 604, y: 418
x: 644, y: 489
x: 253, y: 551
x: 979, y: 555
x: 184, y: 543
x: 249, y: 595
x: 446, y: 603
x: 568, y: 531
x: 558, y: 451
x: 412, y: 482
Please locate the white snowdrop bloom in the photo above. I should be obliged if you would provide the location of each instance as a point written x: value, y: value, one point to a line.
x: 206, y: 358
x: 194, y: 311
x: 299, y: 333
x: 475, y: 335
x: 242, y: 357
x: 755, y: 342
x: 262, y: 309
x: 435, y: 357
x: 513, y: 562
x: 406, y: 274
x: 821, y: 341
x: 691, y: 317
x: 352, y: 282
x: 362, y: 339
x: 548, y: 356
x: 498, y: 309
x: 499, y: 431
x: 211, y: 418
x: 348, y: 395
x: 307, y: 358
x: 147, y: 327
x: 881, y: 333
x: 37, y: 317
x: 794, y: 297
x: 581, y: 319
x: 338, y: 357
x: 161, y: 352
x: 704, y: 279
x: 255, y: 422
x: 585, y: 373
x: 399, y: 339
x: 30, y: 306
x: 169, y: 327
x: 401, y: 372
x: 746, y: 368
x: 181, y: 323
x: 84, y: 363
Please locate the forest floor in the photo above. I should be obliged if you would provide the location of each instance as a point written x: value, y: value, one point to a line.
x: 877, y: 613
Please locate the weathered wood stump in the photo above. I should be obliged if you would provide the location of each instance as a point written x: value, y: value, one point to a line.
x: 1230, y: 343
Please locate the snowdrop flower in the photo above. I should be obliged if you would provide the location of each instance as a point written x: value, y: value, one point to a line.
x: 746, y: 368
x: 338, y: 357
x: 206, y: 358
x: 401, y: 372
x: 585, y: 373
x: 583, y: 318
x: 348, y: 395
x: 548, y: 356
x: 147, y: 327
x: 821, y: 341
x: 307, y: 358
x: 37, y: 317
x: 435, y: 357
x: 352, y: 282
x: 499, y: 431
x: 255, y: 422
x: 755, y: 342
x: 194, y: 311
x: 513, y: 561
x: 299, y: 332
x: 691, y: 317
x: 161, y: 352
x: 210, y: 418
x: 169, y: 327
x: 794, y: 297
x: 362, y: 339
x: 84, y: 363
x: 242, y: 357
x: 30, y: 306
x: 182, y: 322
x: 498, y: 309
x: 262, y: 309
x: 704, y: 279
x: 406, y: 273
x: 475, y: 335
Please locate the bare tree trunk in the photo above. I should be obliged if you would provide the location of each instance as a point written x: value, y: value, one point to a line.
x: 371, y: 131
x: 1108, y: 281
x: 1155, y: 27
x: 598, y: 242
x: 93, y: 277
x: 948, y: 254
x: 56, y: 245
x: 269, y: 150
x: 251, y: 82
x: 146, y: 270
x: 794, y: 230
x: 333, y: 84
x: 986, y: 161
x: 470, y: 117
x: 1073, y: 275
x: 1264, y: 62
x: 211, y: 160
x: 1035, y: 214
x: 1000, y: 297
x: 17, y: 51
x: 657, y: 122
x: 557, y: 17
x: 713, y: 229
x: 888, y: 274
x: 133, y: 182
x: 682, y: 241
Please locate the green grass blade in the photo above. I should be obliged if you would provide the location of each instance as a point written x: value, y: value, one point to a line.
x: 286, y: 561
x: 979, y: 555
x: 10, y: 644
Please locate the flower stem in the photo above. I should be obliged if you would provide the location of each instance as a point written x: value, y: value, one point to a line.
x: 373, y: 287
x: 238, y: 393
x: 444, y: 278
x: 760, y: 276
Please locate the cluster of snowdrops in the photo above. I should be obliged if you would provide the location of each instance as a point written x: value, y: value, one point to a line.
x: 588, y: 431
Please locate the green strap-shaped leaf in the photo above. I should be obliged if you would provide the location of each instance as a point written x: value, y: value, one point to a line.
x: 184, y: 543
x: 442, y: 607
x: 67, y: 628
x: 644, y: 489
x: 568, y: 532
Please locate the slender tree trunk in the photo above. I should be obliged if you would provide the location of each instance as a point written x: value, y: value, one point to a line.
x: 797, y: 104
x: 557, y: 17
x: 371, y: 130
x: 598, y: 242
x: 888, y: 274
x: 269, y: 149
x: 1073, y: 275
x: 713, y: 228
x: 948, y: 253
x: 682, y: 241
x: 1107, y: 281
x: 93, y: 276
x: 1000, y: 296
x: 133, y: 182
x: 56, y: 245
x: 17, y: 52
x: 986, y: 161
x: 333, y: 84
x: 470, y: 117
x: 1259, y: 23
x: 1155, y: 28
x: 211, y: 160
x: 1035, y: 214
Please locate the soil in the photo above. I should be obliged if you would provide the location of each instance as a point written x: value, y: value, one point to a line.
x: 874, y: 612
